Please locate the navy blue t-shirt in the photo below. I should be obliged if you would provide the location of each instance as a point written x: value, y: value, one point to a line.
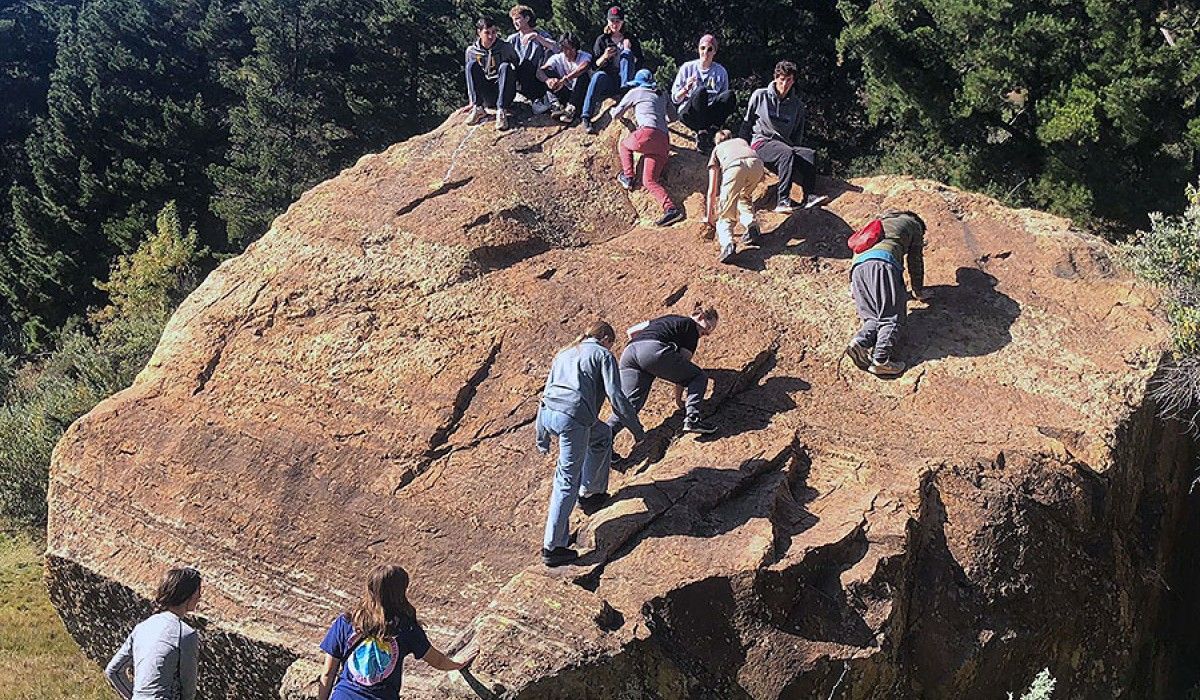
x: 374, y: 666
x: 680, y: 330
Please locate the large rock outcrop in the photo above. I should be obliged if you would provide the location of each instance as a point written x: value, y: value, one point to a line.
x: 360, y: 387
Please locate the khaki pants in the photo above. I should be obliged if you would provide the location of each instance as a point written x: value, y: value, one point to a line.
x: 733, y: 203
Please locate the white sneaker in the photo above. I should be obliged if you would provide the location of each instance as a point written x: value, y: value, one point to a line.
x: 542, y: 105
x: 478, y: 114
x: 727, y: 253
x: 501, y: 119
x: 785, y: 206
x: 814, y: 200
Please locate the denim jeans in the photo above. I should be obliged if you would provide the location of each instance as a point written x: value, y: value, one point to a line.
x: 483, y: 92
x: 584, y: 459
x: 604, y: 84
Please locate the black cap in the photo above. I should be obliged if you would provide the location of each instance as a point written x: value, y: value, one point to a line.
x: 615, y: 12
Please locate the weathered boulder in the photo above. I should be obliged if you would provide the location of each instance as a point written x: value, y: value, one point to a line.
x: 360, y: 387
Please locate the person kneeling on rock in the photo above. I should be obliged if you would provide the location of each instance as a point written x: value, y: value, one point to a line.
x: 651, y: 139
x: 580, y: 377
x: 734, y: 170
x: 365, y: 646
x: 662, y: 348
x: 877, y: 285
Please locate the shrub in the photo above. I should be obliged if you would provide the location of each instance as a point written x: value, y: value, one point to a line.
x: 1042, y: 688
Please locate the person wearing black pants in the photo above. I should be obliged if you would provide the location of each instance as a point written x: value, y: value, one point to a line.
x: 566, y: 77
x: 702, y: 95
x: 662, y: 348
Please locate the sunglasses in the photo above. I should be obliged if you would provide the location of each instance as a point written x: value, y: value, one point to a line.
x: 707, y: 49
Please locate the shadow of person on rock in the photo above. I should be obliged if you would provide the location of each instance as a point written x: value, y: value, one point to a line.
x: 750, y: 408
x: 968, y: 319
x: 809, y: 233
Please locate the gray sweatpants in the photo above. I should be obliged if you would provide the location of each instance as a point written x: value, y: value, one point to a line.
x: 882, y: 304
x: 645, y: 360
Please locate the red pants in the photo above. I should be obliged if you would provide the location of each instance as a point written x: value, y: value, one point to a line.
x: 655, y: 146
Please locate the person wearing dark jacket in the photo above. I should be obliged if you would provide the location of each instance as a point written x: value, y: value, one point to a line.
x: 877, y: 285
x: 533, y: 47
x: 774, y: 126
x: 491, y: 74
x: 616, y: 56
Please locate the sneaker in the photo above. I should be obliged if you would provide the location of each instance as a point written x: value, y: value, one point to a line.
x: 478, y: 114
x: 891, y: 368
x: 626, y: 181
x: 696, y: 424
x: 558, y: 556
x: 752, y: 234
x: 566, y: 114
x: 859, y: 355
x: 590, y: 126
x: 593, y: 502
x: 704, y: 141
x: 814, y: 200
x: 672, y: 216
x: 541, y: 105
x: 785, y: 206
x: 501, y: 119
x: 727, y: 253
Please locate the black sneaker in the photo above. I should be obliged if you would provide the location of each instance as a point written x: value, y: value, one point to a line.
x: 696, y: 424
x: 859, y: 355
x: 558, y: 556
x: 704, y: 141
x: 672, y: 216
x: 590, y: 126
x: 593, y: 502
x: 626, y: 181
x: 752, y: 234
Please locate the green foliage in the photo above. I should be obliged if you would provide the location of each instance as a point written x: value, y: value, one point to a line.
x: 1042, y: 688
x: 1169, y: 255
x: 90, y: 362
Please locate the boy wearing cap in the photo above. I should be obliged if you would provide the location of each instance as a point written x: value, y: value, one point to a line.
x: 490, y: 74
x: 702, y: 93
x: 651, y: 139
x: 617, y: 53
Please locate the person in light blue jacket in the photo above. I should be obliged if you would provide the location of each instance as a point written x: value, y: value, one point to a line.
x: 581, y: 376
x: 159, y: 658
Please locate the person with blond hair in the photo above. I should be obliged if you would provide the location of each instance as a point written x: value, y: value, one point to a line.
x: 701, y: 92
x: 616, y: 55
x: 162, y: 652
x: 581, y: 376
x: 365, y: 646
x: 734, y: 170
x: 533, y: 47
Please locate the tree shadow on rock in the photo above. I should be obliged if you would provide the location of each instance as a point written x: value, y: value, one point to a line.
x: 968, y: 319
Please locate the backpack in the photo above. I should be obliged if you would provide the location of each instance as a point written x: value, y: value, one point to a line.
x: 866, y: 237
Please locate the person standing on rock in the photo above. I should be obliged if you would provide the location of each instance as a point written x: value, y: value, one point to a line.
x: 877, y: 285
x: 491, y: 74
x: 566, y: 74
x: 580, y: 377
x: 734, y: 170
x: 617, y: 53
x: 650, y: 139
x: 774, y: 127
x: 162, y: 651
x: 533, y: 47
x: 701, y: 92
x: 662, y: 348
x: 365, y: 647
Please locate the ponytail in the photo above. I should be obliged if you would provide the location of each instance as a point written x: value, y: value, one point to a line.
x: 600, y: 331
x: 705, y: 313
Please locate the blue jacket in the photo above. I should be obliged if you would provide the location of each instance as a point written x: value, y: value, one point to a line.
x: 580, y: 377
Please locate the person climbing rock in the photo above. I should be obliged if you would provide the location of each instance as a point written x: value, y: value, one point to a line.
x: 651, y: 139
x: 701, y: 92
x: 617, y: 54
x: 662, y: 348
x: 580, y: 377
x: 491, y: 74
x: 365, y: 646
x: 533, y: 47
x: 774, y: 126
x: 162, y: 651
x: 566, y: 76
x: 734, y: 170
x: 877, y: 285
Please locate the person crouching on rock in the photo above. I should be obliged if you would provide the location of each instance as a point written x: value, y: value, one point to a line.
x: 491, y: 74
x: 877, y: 285
x: 162, y: 651
x: 662, y: 348
x: 580, y: 377
x: 734, y: 170
x: 566, y: 76
x: 650, y: 139
x: 365, y: 647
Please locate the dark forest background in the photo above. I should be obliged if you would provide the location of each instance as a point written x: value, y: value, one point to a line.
x: 142, y: 141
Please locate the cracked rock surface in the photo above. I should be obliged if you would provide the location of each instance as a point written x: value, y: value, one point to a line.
x: 359, y: 387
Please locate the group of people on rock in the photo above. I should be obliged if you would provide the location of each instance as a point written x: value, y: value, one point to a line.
x: 561, y: 78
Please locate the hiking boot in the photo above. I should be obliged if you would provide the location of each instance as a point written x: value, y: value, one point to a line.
x: 593, y: 502
x: 814, y: 200
x: 752, y: 234
x: 541, y: 105
x: 696, y: 424
x: 626, y: 181
x: 891, y: 368
x: 859, y: 355
x: 501, y: 119
x: 478, y: 114
x: 671, y: 216
x: 558, y: 556
x: 727, y: 253
x: 785, y: 206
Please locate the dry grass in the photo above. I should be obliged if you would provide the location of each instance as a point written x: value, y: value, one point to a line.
x: 38, y: 659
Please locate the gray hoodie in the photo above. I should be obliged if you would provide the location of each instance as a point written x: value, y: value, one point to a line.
x: 650, y: 108
x: 533, y: 52
x: 491, y: 58
x: 770, y: 117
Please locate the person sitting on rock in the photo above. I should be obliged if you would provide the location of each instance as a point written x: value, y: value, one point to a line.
x: 651, y: 139
x: 774, y: 126
x: 566, y: 76
x: 162, y: 651
x: 734, y: 170
x: 877, y: 285
x: 617, y: 54
x: 533, y: 47
x: 662, y: 348
x: 701, y: 91
x: 491, y: 76
x: 365, y: 647
x: 580, y: 377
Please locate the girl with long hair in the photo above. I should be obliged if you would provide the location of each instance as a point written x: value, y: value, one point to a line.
x: 365, y: 647
x: 162, y: 650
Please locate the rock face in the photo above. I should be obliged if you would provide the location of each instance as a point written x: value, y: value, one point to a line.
x: 360, y: 385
